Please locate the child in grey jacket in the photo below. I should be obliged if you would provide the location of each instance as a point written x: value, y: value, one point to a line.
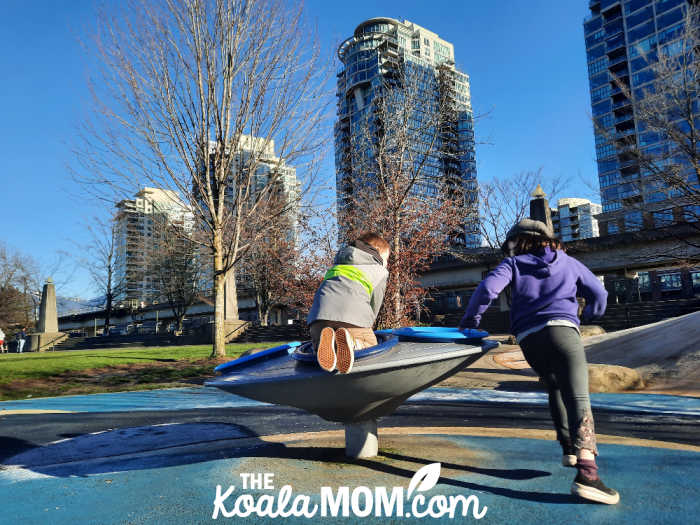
x: 347, y: 302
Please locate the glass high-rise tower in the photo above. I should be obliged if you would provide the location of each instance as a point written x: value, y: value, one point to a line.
x: 621, y: 37
x: 370, y: 58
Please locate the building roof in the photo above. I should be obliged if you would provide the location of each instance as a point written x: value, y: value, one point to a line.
x: 573, y: 202
x: 684, y: 233
x: 379, y: 19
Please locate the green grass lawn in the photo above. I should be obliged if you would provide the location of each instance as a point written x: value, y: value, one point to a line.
x: 67, y: 372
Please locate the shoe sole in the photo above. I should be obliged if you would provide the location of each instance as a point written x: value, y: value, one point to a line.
x: 592, y: 494
x: 345, y: 355
x: 568, y: 460
x: 325, y: 353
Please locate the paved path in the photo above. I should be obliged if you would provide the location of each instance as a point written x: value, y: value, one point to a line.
x: 157, y: 457
x: 197, y: 397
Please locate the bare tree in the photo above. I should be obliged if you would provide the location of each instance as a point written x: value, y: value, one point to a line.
x: 177, y: 264
x: 402, y: 177
x: 660, y: 159
x: 288, y: 268
x: 506, y: 200
x: 104, y: 262
x: 16, y: 303
x: 266, y: 265
x: 314, y: 251
x: 264, y: 269
x: 188, y: 85
x: 21, y: 282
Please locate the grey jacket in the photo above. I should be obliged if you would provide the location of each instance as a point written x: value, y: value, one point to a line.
x: 346, y: 299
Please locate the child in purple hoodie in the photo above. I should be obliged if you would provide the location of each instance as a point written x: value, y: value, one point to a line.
x: 545, y: 283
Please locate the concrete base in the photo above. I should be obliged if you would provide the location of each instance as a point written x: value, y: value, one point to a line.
x: 361, y: 439
x: 44, y: 341
x: 233, y: 329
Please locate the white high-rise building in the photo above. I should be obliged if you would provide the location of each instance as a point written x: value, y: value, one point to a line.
x: 136, y: 238
x: 260, y: 153
x: 574, y: 219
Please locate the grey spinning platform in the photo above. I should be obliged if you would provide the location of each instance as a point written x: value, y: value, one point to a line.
x: 405, y: 362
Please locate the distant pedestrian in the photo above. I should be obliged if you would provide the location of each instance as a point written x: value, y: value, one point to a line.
x: 544, y: 283
x: 3, y: 347
x: 21, y: 338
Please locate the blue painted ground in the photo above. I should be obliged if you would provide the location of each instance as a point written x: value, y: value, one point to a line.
x: 168, y: 473
x: 166, y: 399
x: 203, y: 397
x: 651, y: 403
x: 518, y: 480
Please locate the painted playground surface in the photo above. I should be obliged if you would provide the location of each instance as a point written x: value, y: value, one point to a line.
x: 169, y: 472
x: 197, y: 397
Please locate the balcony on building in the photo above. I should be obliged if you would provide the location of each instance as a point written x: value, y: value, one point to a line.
x: 625, y: 133
x: 626, y: 116
x: 624, y: 127
x: 618, y: 58
x: 618, y: 66
x: 613, y: 27
x: 615, y: 44
x: 626, y: 144
x: 621, y: 76
x: 630, y: 193
x: 624, y: 102
x: 631, y: 174
x: 629, y: 162
x: 594, y: 6
x: 611, y: 8
x: 614, y: 89
x: 389, y: 43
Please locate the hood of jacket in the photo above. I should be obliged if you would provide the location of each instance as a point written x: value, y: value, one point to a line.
x: 542, y: 265
x: 345, y: 298
x: 356, y: 256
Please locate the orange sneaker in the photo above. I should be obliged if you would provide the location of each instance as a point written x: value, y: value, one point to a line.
x: 325, y: 353
x: 345, y: 350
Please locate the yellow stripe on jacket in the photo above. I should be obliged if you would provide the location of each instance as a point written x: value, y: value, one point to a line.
x: 352, y: 273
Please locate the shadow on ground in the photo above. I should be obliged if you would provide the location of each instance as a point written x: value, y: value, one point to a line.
x: 10, y: 446
x: 519, y: 386
x: 155, y: 447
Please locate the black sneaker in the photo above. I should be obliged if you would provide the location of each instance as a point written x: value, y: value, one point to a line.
x: 593, y: 490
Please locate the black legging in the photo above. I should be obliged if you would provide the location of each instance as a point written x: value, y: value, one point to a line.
x: 557, y: 355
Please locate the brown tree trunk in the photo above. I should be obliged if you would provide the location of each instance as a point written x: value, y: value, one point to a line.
x: 396, y: 299
x: 108, y: 313
x: 262, y: 315
x: 219, y: 339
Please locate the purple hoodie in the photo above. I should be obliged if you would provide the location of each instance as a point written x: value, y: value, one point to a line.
x: 544, y: 287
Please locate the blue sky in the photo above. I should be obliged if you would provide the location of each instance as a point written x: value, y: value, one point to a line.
x: 526, y: 60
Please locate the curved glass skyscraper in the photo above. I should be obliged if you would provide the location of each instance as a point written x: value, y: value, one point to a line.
x: 380, y: 50
x: 623, y: 39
